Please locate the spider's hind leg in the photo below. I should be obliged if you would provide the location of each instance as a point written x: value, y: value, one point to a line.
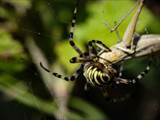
x: 140, y: 76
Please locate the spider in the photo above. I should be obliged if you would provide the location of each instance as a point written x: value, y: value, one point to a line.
x: 99, y: 63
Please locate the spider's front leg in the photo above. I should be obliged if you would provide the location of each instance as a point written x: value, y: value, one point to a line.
x: 94, y: 46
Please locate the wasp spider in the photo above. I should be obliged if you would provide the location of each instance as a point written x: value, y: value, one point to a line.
x: 98, y: 74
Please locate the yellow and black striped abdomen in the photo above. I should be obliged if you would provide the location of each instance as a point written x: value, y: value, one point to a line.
x: 96, y: 77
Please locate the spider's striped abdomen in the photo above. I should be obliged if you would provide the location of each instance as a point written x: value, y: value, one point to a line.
x: 98, y: 77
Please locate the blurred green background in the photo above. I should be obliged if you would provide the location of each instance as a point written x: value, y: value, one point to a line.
x: 34, y: 31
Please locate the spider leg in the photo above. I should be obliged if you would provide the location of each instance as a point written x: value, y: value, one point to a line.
x: 93, y: 44
x: 86, y: 86
x: 121, y: 81
x: 91, y: 49
x: 101, y: 45
x: 89, y: 59
x: 120, y: 70
x: 137, y: 78
x: 80, y: 60
x: 70, y: 78
x: 91, y: 55
x: 71, y: 34
x: 142, y: 74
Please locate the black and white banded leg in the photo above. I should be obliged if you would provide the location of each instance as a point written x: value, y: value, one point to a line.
x: 99, y: 45
x: 137, y: 78
x: 71, y: 34
x: 70, y: 78
x: 92, y: 53
x: 142, y: 74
